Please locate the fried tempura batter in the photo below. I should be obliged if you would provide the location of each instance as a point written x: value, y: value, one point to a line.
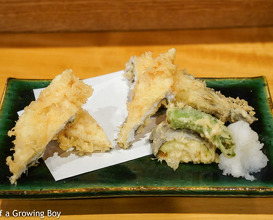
x: 43, y: 119
x: 181, y: 146
x: 84, y: 134
x: 137, y: 65
x: 153, y: 83
x: 196, y: 94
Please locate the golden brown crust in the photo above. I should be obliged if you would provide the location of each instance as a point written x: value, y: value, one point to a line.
x: 196, y: 94
x: 153, y: 84
x: 84, y: 134
x: 44, y: 118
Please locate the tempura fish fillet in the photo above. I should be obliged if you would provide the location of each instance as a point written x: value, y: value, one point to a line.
x: 84, y: 134
x: 195, y: 93
x: 153, y: 84
x: 136, y: 66
x: 43, y: 119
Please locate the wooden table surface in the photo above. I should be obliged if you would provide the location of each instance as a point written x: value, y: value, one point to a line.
x: 243, y: 52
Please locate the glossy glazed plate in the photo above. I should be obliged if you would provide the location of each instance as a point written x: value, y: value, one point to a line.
x: 143, y: 176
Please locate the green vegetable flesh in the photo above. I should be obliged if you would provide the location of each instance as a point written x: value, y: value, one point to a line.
x: 204, y: 124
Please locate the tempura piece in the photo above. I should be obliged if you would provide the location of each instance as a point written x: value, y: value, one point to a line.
x: 43, y: 119
x: 205, y: 125
x: 84, y: 134
x: 137, y: 66
x: 181, y: 146
x: 152, y: 86
x: 195, y: 93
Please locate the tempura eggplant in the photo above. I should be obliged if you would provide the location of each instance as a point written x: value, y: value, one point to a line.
x: 181, y: 146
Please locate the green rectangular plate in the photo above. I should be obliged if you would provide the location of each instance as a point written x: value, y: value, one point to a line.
x: 143, y: 176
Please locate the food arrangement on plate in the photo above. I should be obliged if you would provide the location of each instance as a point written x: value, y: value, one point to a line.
x: 199, y: 125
